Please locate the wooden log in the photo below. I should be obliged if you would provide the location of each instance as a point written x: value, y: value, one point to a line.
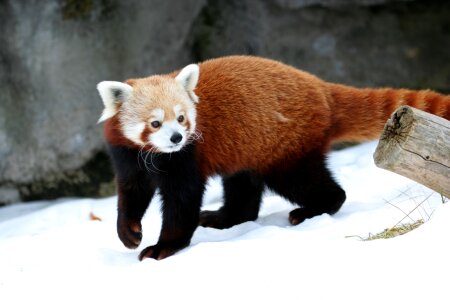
x: 416, y: 144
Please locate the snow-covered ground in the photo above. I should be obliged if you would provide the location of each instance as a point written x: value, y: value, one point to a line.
x: 52, y: 250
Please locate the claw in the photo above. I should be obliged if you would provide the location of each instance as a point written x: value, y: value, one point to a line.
x: 297, y: 216
x: 157, y: 252
x: 130, y: 232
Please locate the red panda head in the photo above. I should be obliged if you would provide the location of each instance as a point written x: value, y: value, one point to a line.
x: 156, y: 112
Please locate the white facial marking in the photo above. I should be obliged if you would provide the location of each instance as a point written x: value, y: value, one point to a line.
x: 177, y: 110
x: 192, y: 115
x: 161, y: 138
x: 134, y: 132
x: 157, y: 114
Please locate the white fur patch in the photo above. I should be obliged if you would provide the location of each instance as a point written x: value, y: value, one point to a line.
x: 112, y: 93
x: 192, y: 115
x: 280, y: 117
x: 134, y: 132
x: 188, y: 78
x: 157, y: 115
x: 177, y: 110
x: 161, y: 138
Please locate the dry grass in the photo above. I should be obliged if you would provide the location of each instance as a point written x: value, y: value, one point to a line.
x: 394, y: 231
x: 422, y: 210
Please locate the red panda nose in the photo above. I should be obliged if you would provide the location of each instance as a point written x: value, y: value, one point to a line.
x: 176, y: 138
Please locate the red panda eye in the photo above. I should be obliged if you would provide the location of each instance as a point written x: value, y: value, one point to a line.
x: 155, y: 124
x: 180, y: 119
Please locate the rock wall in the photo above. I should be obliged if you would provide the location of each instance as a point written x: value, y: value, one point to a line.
x: 54, y: 52
x: 52, y: 56
x: 398, y: 43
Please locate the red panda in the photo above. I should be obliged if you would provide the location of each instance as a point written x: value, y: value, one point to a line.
x: 256, y: 122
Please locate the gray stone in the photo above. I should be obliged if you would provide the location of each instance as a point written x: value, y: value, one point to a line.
x: 52, y: 56
x: 295, y: 4
x: 9, y: 195
x: 399, y: 43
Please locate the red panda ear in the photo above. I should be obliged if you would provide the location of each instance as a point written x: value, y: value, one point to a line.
x: 113, y: 93
x: 130, y: 82
x: 188, y: 78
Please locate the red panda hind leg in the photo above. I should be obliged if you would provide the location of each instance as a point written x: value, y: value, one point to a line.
x: 242, y: 199
x: 310, y: 185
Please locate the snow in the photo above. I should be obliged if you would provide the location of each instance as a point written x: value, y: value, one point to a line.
x: 52, y: 250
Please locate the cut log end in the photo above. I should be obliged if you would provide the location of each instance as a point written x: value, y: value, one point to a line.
x: 416, y: 144
x: 398, y: 126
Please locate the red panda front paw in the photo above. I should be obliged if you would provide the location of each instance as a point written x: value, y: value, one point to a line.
x: 297, y: 216
x: 161, y: 250
x: 129, y: 231
x: 213, y: 219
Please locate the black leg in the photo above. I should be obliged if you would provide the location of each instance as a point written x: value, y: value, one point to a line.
x: 181, y: 187
x: 242, y: 193
x: 309, y: 184
x: 135, y: 188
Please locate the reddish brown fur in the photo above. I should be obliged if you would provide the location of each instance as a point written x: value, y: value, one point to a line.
x: 360, y: 114
x: 241, y: 101
x: 261, y: 115
x: 112, y: 131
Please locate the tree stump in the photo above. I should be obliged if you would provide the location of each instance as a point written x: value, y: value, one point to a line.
x: 416, y: 144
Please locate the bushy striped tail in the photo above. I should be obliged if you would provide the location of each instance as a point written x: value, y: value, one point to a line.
x: 360, y: 114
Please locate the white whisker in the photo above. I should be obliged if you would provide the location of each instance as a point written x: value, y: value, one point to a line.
x: 151, y: 160
x: 195, y: 136
x: 141, y: 155
x: 150, y: 166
